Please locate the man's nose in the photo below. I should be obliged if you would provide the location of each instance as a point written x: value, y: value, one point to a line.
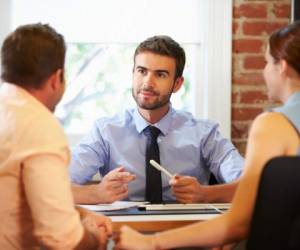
x: 149, y: 79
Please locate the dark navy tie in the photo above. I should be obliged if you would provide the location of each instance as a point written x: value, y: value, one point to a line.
x: 153, y: 176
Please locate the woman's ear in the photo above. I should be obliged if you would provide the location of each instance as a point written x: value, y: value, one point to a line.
x: 283, y: 67
x: 178, y: 83
x: 287, y: 70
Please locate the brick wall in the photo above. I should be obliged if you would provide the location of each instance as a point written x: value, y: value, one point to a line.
x: 253, y: 21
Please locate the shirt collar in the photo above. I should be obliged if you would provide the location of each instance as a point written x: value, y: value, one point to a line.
x: 163, y: 124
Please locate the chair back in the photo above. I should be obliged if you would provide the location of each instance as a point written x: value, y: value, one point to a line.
x: 276, y: 217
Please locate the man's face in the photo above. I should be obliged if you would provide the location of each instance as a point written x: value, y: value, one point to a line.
x: 153, y: 80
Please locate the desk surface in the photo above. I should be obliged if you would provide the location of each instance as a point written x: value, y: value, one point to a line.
x: 145, y: 222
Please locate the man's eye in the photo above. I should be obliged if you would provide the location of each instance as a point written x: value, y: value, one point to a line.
x: 141, y: 71
x: 162, y: 75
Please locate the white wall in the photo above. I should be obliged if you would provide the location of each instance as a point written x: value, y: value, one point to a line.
x: 5, y: 19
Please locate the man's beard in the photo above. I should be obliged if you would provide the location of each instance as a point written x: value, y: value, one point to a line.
x: 161, y: 102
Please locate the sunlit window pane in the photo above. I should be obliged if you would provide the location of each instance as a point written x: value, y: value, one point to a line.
x: 99, y: 80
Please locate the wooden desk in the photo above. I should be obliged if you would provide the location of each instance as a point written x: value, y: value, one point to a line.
x: 156, y: 223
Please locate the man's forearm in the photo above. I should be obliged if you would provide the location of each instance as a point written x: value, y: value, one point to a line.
x: 86, y: 194
x: 221, y: 192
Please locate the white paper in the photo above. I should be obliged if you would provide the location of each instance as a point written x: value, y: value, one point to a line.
x: 117, y: 205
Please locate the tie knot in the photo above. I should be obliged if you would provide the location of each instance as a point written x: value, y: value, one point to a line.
x: 152, y: 131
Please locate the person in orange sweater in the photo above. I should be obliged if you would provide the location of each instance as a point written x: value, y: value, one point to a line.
x: 37, y: 208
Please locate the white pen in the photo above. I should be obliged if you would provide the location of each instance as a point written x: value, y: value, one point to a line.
x: 160, y: 168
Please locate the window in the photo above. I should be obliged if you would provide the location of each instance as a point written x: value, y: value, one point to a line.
x: 102, y: 35
x: 99, y: 80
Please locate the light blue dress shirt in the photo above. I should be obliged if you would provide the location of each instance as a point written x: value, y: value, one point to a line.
x: 187, y: 147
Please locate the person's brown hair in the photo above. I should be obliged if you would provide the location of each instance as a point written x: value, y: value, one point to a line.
x: 285, y: 44
x: 30, y: 54
x: 166, y: 46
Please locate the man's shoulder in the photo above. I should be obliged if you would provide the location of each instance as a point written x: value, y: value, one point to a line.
x: 189, y: 120
x: 121, y: 119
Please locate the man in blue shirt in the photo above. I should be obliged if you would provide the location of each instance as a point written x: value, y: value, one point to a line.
x: 190, y: 148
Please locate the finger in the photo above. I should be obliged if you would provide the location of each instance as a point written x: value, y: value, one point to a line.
x: 118, y: 169
x: 183, y: 198
x: 102, y: 238
x: 108, y: 225
x: 129, y: 178
x: 116, y: 185
x: 121, y: 176
x: 179, y: 200
x: 120, y: 189
x: 115, y: 171
x: 174, y: 179
x: 184, y: 181
x: 121, y: 196
x: 182, y: 189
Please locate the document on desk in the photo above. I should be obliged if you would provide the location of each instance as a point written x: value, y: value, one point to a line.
x: 219, y: 207
x: 117, y: 205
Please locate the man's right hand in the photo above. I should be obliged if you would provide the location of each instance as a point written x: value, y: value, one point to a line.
x: 114, y: 185
x: 97, y: 230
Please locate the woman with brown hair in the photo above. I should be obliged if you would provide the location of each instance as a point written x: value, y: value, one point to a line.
x: 272, y: 134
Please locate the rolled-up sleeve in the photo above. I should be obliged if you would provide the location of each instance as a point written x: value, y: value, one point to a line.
x: 222, y: 158
x: 48, y: 192
x: 88, y: 157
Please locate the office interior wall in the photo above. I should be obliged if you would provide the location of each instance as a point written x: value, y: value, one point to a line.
x: 253, y: 21
x: 5, y: 20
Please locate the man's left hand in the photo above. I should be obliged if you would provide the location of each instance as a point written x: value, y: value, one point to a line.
x: 187, y: 189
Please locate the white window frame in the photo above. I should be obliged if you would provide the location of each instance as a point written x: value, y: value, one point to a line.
x: 213, y: 93
x: 214, y: 96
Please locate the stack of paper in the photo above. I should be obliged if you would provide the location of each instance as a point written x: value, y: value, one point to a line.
x: 117, y: 205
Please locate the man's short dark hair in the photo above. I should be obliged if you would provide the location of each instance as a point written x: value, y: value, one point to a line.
x: 30, y: 54
x: 166, y: 46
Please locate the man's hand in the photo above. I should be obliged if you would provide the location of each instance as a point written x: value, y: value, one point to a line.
x: 98, y: 225
x: 114, y: 185
x: 187, y: 189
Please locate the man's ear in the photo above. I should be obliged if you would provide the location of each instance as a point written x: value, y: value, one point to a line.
x: 55, y: 79
x: 178, y: 83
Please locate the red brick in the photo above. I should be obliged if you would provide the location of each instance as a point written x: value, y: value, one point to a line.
x: 240, y: 130
x: 248, y: 79
x: 235, y: 26
x: 282, y: 10
x: 247, y: 45
x: 234, y: 97
x: 250, y: 10
x: 259, y: 28
x: 254, y: 62
x: 245, y: 114
x: 253, y: 97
